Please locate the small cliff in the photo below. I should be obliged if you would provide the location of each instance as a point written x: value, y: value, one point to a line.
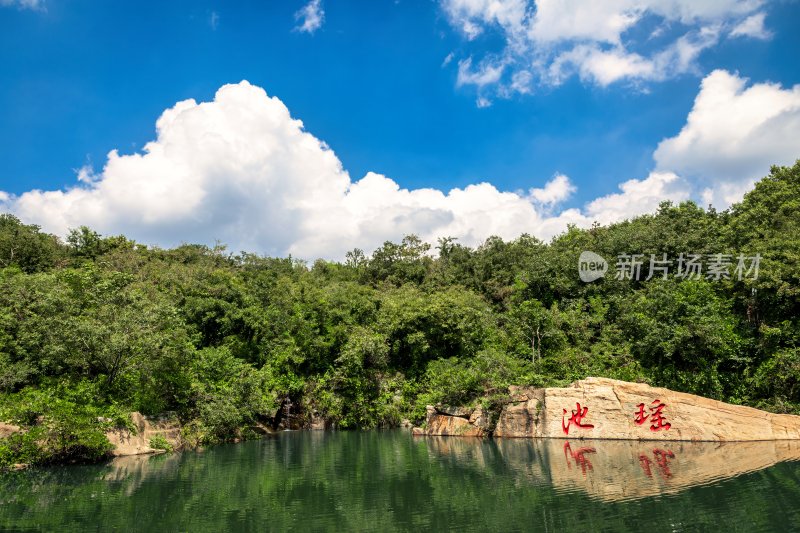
x: 127, y: 442
x: 600, y: 408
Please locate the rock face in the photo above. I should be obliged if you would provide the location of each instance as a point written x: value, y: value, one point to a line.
x: 455, y: 421
x: 318, y: 422
x: 600, y: 408
x: 523, y: 415
x: 452, y: 425
x: 126, y: 442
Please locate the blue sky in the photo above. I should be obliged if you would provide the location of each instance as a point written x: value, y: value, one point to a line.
x: 404, y: 89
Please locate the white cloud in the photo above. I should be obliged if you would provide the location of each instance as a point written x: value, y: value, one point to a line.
x: 607, y: 21
x: 487, y: 73
x: 601, y: 66
x: 447, y: 59
x: 606, y: 66
x: 310, y: 17
x: 521, y: 82
x: 555, y: 20
x: 732, y: 135
x: 638, y: 197
x: 551, y: 40
x: 241, y: 170
x: 752, y: 26
x: 35, y: 5
x: 472, y: 15
x: 213, y: 20
x: 554, y: 192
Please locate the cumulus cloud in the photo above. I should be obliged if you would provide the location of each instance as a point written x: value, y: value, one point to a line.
x: 242, y: 170
x: 732, y: 135
x: 637, y: 197
x: 554, y: 192
x: 310, y: 17
x: 551, y: 40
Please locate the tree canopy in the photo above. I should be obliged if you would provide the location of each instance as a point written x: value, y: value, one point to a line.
x: 98, y: 326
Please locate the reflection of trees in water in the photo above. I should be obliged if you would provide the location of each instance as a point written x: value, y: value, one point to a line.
x: 389, y: 481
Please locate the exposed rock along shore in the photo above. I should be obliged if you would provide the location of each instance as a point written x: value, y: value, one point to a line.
x: 127, y: 442
x: 168, y: 429
x: 593, y: 408
x: 601, y: 408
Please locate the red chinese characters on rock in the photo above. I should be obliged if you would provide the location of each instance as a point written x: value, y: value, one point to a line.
x: 656, y: 416
x: 576, y: 418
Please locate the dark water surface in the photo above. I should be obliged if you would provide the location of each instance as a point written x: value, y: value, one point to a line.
x: 391, y: 481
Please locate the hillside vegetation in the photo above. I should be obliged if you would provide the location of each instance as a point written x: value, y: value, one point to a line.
x: 96, y: 327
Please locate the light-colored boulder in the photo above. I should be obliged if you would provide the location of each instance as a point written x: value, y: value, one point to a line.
x: 126, y: 442
x: 523, y: 416
x: 522, y: 394
x: 601, y: 408
x: 481, y: 418
x: 446, y: 425
x: 318, y: 422
x: 439, y: 423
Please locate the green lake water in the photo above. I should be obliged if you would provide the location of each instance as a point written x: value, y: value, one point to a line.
x: 391, y: 481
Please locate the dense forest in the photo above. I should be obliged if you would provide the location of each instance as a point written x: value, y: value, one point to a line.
x: 98, y: 326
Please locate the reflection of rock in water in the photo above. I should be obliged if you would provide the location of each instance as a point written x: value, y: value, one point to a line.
x: 466, y: 451
x: 133, y: 470
x: 618, y: 470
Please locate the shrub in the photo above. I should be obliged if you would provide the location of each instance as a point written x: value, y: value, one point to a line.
x: 159, y: 442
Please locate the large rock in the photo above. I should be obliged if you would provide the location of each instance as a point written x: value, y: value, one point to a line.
x: 128, y: 442
x: 523, y: 416
x: 318, y: 422
x: 481, y: 418
x: 463, y: 424
x: 440, y: 424
x: 601, y: 408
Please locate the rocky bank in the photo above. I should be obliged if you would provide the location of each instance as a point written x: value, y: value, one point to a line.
x: 601, y: 408
x: 127, y: 442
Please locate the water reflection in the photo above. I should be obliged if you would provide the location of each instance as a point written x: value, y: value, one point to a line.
x: 389, y: 481
x: 618, y: 470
